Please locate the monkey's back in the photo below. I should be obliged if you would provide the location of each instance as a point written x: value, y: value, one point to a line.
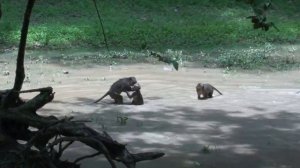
x: 120, y: 85
x: 208, y: 88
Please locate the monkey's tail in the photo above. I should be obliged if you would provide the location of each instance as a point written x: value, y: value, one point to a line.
x: 217, y: 91
x: 101, y: 97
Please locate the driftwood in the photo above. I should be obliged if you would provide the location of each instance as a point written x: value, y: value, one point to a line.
x: 44, y: 147
x: 65, y: 130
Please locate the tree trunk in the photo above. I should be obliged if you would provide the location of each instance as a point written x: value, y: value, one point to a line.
x: 20, y: 72
x: 0, y: 11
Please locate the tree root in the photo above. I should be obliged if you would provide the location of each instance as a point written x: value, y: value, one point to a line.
x: 64, y: 131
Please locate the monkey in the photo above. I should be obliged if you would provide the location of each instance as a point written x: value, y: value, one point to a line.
x: 137, y: 98
x: 259, y: 20
x: 121, y: 85
x: 261, y: 23
x: 206, y: 90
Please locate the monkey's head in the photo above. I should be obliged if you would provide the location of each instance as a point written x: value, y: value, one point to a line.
x: 199, y: 87
x: 136, y: 87
x: 132, y: 81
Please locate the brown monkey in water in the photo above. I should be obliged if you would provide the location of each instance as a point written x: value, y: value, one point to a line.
x: 206, y: 90
x: 121, y: 85
x: 137, y: 98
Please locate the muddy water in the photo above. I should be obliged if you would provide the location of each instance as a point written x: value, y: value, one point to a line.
x: 254, y: 124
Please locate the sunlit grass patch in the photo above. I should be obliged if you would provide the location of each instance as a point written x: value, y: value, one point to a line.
x: 257, y: 58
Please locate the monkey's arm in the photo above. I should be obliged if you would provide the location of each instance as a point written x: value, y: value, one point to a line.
x: 127, y: 88
x: 130, y: 96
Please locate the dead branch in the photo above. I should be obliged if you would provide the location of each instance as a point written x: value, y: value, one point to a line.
x: 87, y: 156
x: 62, y: 149
x: 89, y: 141
x: 46, y: 89
x: 49, y: 127
x: 39, y: 101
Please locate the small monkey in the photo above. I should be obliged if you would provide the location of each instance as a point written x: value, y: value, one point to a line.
x: 137, y: 98
x: 206, y: 90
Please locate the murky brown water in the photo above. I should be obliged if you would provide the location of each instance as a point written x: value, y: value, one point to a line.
x: 255, y: 124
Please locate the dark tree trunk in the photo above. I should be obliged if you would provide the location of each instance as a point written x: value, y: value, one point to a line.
x: 20, y: 73
x: 0, y: 11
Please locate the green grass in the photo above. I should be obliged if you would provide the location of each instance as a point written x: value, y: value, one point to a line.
x: 257, y: 58
x: 150, y: 24
x: 263, y: 57
x: 212, y: 33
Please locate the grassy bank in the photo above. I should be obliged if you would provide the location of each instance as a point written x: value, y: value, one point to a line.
x: 268, y: 57
x: 147, y: 24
